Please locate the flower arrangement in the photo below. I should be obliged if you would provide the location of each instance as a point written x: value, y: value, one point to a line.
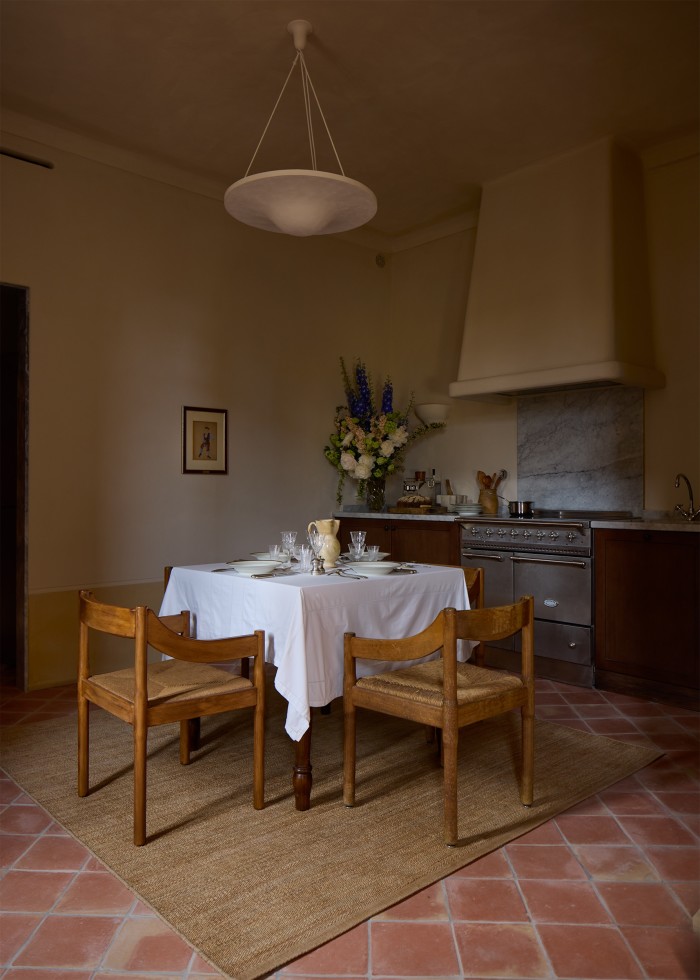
x: 368, y: 445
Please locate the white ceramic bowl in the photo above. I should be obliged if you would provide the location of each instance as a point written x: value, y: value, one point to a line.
x: 372, y: 567
x: 265, y: 556
x: 255, y: 567
x: 432, y: 413
x: 365, y: 558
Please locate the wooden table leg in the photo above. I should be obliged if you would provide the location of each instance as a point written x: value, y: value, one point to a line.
x: 301, y: 774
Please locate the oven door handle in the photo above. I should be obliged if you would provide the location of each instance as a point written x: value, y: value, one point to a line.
x: 482, y: 554
x: 550, y: 561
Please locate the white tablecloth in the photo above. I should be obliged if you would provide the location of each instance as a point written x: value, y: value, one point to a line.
x: 305, y: 616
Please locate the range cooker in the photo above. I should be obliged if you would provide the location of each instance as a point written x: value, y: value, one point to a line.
x: 549, y: 556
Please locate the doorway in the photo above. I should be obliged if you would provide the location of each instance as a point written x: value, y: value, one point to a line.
x: 14, y: 391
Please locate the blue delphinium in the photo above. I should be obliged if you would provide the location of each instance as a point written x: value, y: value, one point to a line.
x: 369, y: 445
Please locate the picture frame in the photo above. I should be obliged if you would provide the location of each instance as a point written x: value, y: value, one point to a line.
x: 204, y: 440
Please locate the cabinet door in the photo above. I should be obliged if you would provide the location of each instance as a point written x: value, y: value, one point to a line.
x: 648, y: 606
x: 425, y: 541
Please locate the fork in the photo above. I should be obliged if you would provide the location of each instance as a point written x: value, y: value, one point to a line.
x: 346, y: 573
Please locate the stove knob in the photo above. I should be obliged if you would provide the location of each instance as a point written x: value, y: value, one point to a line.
x: 513, y: 533
x: 502, y: 532
x: 571, y: 536
x: 554, y: 535
x: 527, y: 534
x: 475, y: 531
x: 540, y: 535
x: 488, y: 532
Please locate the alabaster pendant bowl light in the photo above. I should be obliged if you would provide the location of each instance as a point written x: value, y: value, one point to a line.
x: 300, y: 202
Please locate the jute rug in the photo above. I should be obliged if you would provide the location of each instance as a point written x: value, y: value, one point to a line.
x: 255, y: 890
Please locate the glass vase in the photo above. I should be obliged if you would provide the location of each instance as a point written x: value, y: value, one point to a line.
x: 375, y: 489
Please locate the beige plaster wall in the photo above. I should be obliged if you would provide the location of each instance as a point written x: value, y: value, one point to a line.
x: 145, y: 297
x: 672, y: 414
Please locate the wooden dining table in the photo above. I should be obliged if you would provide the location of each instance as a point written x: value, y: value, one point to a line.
x: 304, y: 617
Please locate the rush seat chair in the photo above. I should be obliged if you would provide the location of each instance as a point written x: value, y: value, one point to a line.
x: 444, y: 693
x: 174, y: 690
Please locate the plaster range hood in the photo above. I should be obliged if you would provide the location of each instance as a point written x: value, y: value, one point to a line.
x: 559, y: 294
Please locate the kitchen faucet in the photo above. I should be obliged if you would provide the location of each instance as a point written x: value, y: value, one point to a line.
x: 691, y: 514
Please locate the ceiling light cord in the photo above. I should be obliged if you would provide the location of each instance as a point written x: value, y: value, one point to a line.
x: 305, y: 73
x: 307, y: 87
x: 274, y: 110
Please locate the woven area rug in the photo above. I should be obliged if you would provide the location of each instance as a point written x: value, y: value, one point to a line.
x: 255, y: 890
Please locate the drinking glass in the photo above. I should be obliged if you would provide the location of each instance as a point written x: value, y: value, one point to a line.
x: 288, y: 541
x: 316, y: 540
x: 372, y: 552
x: 358, y: 541
x: 303, y: 554
x: 274, y: 551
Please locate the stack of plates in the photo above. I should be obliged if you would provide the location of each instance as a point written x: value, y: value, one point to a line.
x: 469, y: 510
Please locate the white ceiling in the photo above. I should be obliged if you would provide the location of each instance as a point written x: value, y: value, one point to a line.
x: 425, y: 100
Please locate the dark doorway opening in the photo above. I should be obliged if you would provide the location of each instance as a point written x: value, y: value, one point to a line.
x: 14, y: 362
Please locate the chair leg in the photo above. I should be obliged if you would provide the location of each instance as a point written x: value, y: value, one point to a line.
x: 83, y: 746
x: 349, y: 753
x: 140, y: 749
x: 449, y: 761
x: 528, y: 761
x: 259, y: 755
x: 185, y: 740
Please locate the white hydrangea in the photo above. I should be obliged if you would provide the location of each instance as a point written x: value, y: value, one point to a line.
x: 364, y: 466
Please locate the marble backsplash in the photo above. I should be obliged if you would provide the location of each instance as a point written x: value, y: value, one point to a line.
x: 582, y: 450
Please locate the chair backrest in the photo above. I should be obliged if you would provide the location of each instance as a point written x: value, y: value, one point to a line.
x: 117, y: 620
x: 414, y: 647
x: 474, y: 578
x: 479, y: 625
x: 179, y: 647
x: 484, y: 626
x: 493, y: 622
x: 123, y: 622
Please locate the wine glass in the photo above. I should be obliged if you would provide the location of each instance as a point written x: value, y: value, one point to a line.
x: 316, y: 542
x: 358, y: 543
x: 288, y: 541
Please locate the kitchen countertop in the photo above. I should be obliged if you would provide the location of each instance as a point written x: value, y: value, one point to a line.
x: 646, y: 523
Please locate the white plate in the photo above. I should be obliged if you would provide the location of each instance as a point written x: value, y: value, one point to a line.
x: 373, y: 567
x: 380, y: 555
x: 257, y: 567
x: 265, y: 556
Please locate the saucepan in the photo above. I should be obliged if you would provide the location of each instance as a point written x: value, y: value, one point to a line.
x: 520, y: 508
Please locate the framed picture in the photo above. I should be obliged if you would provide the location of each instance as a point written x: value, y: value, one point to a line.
x: 204, y: 440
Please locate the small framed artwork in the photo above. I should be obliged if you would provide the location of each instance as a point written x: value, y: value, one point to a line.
x: 204, y: 440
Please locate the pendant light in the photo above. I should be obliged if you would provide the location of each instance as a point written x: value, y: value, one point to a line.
x: 300, y: 202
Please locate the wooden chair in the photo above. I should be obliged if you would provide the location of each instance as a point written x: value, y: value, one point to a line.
x: 443, y: 693
x: 177, y: 689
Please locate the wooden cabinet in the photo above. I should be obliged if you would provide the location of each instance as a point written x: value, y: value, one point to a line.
x: 647, y: 613
x: 423, y: 541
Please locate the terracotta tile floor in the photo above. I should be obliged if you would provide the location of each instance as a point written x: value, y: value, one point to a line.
x: 607, y: 890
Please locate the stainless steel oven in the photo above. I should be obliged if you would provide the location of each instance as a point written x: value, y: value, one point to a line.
x: 548, y: 556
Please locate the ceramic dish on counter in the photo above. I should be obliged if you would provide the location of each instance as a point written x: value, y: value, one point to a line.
x: 372, y: 567
x: 257, y: 566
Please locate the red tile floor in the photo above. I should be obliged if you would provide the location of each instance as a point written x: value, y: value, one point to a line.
x: 606, y: 890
